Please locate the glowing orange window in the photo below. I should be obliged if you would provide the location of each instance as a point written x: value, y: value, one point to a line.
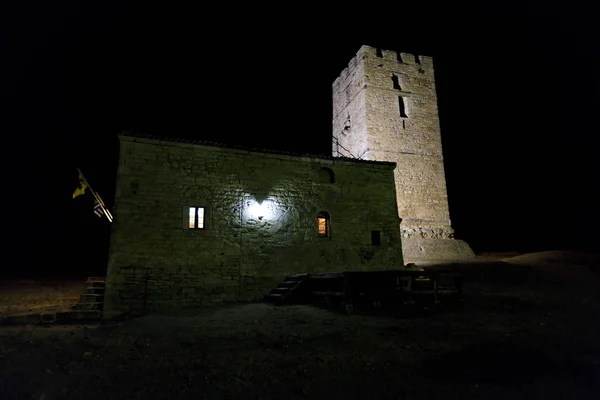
x: 322, y: 227
x: 323, y: 224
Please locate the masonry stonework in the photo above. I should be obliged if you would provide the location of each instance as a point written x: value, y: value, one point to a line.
x: 385, y: 108
x: 261, y: 213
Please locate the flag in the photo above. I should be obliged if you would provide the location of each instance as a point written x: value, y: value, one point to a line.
x: 98, y: 210
x: 99, y: 207
x: 81, y: 186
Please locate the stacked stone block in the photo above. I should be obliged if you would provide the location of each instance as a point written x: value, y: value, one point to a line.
x: 156, y: 262
x: 385, y: 108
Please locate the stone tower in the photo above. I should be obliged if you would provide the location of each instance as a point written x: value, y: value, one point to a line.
x: 385, y: 109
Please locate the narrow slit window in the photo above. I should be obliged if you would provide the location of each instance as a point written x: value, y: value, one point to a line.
x: 376, y: 238
x: 379, y: 52
x: 396, y: 82
x: 196, y: 218
x: 323, y: 225
x: 402, y: 107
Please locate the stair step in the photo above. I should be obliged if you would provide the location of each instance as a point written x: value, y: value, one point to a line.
x: 279, y: 290
x: 287, y: 284
x: 89, y: 306
x: 96, y: 279
x: 94, y: 290
x: 78, y: 315
x: 296, y: 278
x: 95, y: 284
x: 272, y: 298
x: 91, y: 298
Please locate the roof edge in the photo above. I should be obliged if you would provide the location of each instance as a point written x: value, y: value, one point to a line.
x: 283, y: 153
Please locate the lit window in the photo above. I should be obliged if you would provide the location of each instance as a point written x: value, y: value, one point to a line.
x: 323, y: 222
x: 196, y: 218
x: 322, y: 227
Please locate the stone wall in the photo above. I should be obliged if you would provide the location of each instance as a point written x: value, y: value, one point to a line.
x: 349, y: 111
x: 156, y: 262
x: 390, y: 101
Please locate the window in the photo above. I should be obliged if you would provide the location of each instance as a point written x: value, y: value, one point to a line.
x: 326, y: 175
x: 376, y: 238
x: 402, y: 105
x: 196, y: 218
x: 379, y: 52
x: 324, y: 224
x: 396, y: 81
x: 417, y: 59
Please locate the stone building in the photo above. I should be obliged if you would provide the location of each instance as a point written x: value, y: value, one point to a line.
x: 197, y: 224
x: 385, y: 108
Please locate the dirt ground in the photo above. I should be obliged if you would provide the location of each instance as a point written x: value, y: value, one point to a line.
x: 527, y: 329
x: 23, y: 296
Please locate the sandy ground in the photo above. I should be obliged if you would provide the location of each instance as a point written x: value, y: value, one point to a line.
x: 23, y: 296
x: 522, y: 332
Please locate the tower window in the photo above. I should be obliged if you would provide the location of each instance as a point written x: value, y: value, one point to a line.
x: 196, y: 218
x: 324, y: 224
x: 379, y: 52
x: 396, y: 81
x: 402, y: 107
x: 399, y: 57
x: 417, y: 59
x: 376, y: 238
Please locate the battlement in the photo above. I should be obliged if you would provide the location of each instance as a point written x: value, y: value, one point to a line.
x: 356, y: 61
x: 389, y: 58
x: 398, y: 57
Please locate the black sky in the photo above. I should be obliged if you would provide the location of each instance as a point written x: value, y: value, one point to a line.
x: 517, y: 90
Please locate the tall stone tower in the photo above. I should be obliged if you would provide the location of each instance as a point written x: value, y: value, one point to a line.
x: 385, y: 109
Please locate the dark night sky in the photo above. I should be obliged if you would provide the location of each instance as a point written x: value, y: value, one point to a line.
x: 516, y: 88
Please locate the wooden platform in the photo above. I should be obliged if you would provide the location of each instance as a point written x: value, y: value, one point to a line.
x: 350, y: 289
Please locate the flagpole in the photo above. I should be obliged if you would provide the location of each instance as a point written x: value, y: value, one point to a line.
x: 97, y: 197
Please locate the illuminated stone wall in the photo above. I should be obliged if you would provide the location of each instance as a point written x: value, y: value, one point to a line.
x: 385, y: 108
x: 156, y: 262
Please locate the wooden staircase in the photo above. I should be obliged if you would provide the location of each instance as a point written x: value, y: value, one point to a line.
x: 92, y: 298
x: 286, y: 291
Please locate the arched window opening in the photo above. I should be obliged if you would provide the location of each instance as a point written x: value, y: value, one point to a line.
x: 326, y: 175
x: 324, y: 224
